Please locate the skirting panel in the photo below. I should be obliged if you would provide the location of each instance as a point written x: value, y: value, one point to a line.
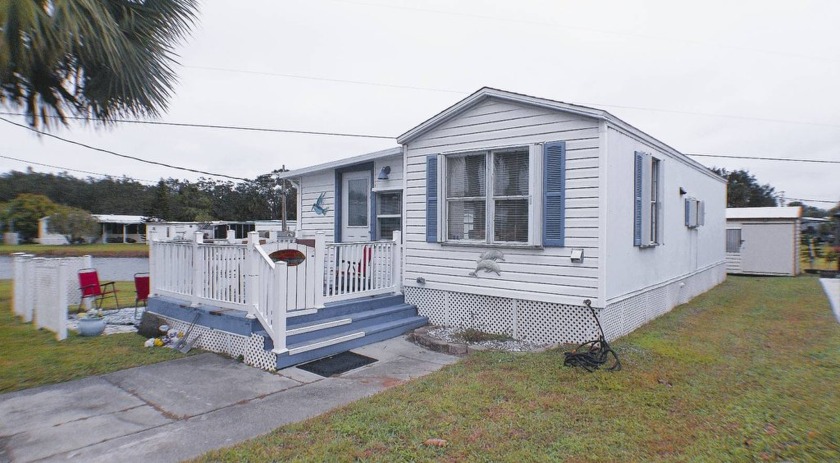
x: 250, y: 349
x: 545, y: 322
x: 625, y: 316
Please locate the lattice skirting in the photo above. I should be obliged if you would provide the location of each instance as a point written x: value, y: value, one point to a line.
x: 557, y: 323
x: 234, y: 345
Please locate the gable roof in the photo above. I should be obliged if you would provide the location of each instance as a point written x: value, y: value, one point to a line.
x: 395, y: 151
x: 763, y: 212
x: 585, y: 111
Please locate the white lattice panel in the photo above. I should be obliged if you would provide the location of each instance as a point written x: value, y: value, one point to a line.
x: 557, y: 323
x: 625, y: 316
x: 430, y: 303
x: 257, y: 356
x: 486, y: 313
x: 212, y: 340
x: 554, y: 323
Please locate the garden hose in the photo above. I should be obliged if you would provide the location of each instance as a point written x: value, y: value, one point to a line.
x: 593, y: 354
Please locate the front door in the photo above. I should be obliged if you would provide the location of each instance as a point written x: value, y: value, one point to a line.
x: 355, y: 206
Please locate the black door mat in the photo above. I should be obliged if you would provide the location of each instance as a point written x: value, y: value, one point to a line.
x: 336, y: 364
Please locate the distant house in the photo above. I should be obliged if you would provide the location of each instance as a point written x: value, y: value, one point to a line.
x: 763, y: 240
x: 114, y: 229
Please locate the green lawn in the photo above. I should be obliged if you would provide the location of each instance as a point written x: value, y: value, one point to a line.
x: 747, y: 372
x: 31, y: 357
x: 95, y: 250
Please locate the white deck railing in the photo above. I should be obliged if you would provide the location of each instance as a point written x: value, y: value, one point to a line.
x: 246, y: 277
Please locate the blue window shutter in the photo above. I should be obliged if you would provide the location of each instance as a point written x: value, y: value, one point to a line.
x: 431, y: 199
x: 637, y: 203
x: 554, y: 193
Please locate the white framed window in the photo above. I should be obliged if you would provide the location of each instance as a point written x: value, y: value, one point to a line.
x: 495, y: 211
x: 695, y: 213
x: 388, y: 214
x: 648, y: 224
x: 733, y: 240
x: 512, y: 196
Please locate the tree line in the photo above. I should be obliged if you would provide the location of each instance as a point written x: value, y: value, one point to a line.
x: 170, y: 199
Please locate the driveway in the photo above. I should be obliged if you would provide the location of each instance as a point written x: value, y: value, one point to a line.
x: 181, y: 409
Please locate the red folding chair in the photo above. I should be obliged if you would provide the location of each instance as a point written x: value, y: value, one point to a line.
x: 141, y: 289
x: 90, y: 287
x: 355, y: 273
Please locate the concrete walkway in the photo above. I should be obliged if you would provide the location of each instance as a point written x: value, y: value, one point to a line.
x: 183, y: 408
x: 831, y: 286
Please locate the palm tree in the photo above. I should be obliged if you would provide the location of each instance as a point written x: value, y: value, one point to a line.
x: 101, y: 59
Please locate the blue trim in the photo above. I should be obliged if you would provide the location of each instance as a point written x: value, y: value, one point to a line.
x: 338, y: 202
x: 431, y: 199
x: 554, y: 194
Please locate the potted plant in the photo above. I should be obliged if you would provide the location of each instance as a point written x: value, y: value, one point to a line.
x: 91, y: 323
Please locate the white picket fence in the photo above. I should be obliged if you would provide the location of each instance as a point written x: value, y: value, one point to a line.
x: 43, y: 288
x: 246, y: 277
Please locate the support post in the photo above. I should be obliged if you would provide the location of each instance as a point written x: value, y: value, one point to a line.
x: 320, y: 260
x: 396, y: 266
x: 197, y: 267
x: 252, y: 275
x: 231, y: 236
x: 153, y: 258
x: 278, y: 322
x: 61, y: 309
x: 29, y: 288
x: 19, y: 282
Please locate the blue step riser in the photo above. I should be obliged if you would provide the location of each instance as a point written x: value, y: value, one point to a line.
x: 357, y: 325
x: 286, y: 360
x: 348, y: 307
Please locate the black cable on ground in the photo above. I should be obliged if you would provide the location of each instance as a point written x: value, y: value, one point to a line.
x: 593, y: 354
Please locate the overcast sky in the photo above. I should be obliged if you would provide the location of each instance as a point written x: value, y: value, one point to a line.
x: 746, y: 78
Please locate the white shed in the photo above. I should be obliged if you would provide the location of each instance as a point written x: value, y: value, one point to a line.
x: 763, y: 240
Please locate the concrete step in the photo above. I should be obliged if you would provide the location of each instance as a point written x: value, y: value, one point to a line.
x: 314, y: 349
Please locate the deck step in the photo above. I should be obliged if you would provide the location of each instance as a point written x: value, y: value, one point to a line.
x: 314, y: 349
x: 301, y: 332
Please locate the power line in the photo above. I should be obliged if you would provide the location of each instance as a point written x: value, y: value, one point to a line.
x: 432, y: 89
x: 328, y: 79
x: 123, y: 155
x: 212, y: 126
x: 762, y: 158
x: 76, y: 170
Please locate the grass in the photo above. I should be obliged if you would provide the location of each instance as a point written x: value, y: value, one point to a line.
x: 819, y: 263
x: 747, y: 372
x: 95, y: 250
x: 31, y: 357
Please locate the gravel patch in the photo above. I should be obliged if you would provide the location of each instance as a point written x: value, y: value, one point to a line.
x: 450, y: 336
x: 116, y: 321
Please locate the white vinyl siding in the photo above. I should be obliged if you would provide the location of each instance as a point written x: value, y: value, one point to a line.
x: 527, y: 273
x: 311, y: 187
x: 682, y: 252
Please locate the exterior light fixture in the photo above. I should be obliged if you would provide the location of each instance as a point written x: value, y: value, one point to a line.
x: 383, y: 173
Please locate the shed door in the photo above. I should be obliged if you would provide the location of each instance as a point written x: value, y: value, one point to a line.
x: 355, y: 203
x: 767, y: 248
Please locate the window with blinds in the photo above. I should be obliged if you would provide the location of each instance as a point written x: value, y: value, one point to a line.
x: 466, y: 196
x: 510, y: 195
x: 474, y: 205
